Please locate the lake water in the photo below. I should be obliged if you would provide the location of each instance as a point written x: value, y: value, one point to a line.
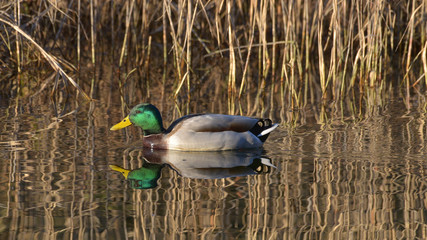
x: 351, y: 178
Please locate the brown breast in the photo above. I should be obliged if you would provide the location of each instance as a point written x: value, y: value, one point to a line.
x: 154, y: 141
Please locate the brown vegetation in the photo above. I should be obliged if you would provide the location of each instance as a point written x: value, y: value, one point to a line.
x: 262, y: 54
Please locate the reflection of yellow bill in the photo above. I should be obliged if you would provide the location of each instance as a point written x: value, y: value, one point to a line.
x: 124, y: 123
x: 125, y: 172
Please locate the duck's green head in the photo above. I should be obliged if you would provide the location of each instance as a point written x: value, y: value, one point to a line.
x: 145, y: 116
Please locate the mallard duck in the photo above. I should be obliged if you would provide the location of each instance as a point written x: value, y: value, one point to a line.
x: 198, y: 132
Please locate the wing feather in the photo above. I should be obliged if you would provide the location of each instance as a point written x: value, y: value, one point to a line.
x: 217, y: 123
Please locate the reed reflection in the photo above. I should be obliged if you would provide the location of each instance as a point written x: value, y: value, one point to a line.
x: 195, y: 165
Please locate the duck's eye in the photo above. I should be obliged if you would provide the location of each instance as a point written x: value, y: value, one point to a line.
x: 137, y: 111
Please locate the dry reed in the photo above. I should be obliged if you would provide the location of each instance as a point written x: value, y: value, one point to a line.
x: 277, y: 53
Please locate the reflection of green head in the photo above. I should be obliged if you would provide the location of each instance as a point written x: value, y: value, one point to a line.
x: 145, y: 177
x: 141, y: 178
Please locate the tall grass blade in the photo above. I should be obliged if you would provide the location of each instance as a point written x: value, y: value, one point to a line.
x: 50, y: 59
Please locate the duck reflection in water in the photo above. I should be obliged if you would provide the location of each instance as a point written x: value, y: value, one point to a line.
x: 196, y: 165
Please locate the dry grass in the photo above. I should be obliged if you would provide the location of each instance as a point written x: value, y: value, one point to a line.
x: 271, y: 54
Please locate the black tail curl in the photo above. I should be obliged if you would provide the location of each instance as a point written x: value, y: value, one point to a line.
x: 260, y: 126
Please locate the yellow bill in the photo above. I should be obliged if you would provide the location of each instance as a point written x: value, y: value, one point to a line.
x: 124, y: 123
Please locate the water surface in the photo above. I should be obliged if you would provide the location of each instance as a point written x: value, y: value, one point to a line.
x: 356, y: 179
